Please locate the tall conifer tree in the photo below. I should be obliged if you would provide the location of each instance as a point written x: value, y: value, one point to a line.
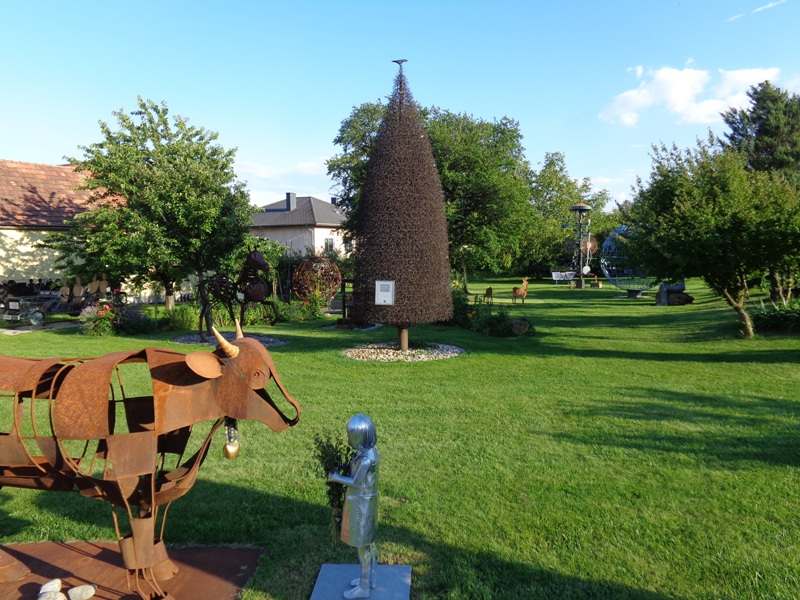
x: 401, y: 230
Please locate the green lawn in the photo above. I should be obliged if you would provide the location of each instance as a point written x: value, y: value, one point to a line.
x: 624, y: 451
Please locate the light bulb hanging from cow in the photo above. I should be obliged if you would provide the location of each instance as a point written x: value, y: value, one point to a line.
x: 67, y: 434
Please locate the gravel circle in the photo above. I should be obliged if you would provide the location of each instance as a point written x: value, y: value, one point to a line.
x: 390, y: 353
x: 230, y: 336
x: 364, y: 328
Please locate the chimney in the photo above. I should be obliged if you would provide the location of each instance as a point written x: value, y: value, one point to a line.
x: 291, y: 201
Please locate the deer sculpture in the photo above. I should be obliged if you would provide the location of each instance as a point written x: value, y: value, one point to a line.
x: 249, y: 288
x: 487, y: 296
x: 520, y: 292
x: 75, y: 428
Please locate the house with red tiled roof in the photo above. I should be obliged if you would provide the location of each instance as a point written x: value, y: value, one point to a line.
x: 34, y: 199
x: 302, y: 223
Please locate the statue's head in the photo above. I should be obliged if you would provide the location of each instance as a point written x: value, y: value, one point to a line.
x: 361, y: 432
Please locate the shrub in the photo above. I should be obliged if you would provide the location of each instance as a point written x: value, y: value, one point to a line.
x: 302, y: 311
x: 461, y: 308
x: 133, y: 321
x: 257, y: 314
x: 781, y: 316
x: 107, y: 319
x: 184, y: 316
x: 480, y: 316
x: 187, y: 315
x: 97, y: 319
x: 332, y: 454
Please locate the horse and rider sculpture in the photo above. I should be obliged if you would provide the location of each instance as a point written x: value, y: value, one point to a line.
x: 250, y: 288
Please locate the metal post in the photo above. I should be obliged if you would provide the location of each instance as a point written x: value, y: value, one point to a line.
x: 581, y: 209
x: 580, y: 250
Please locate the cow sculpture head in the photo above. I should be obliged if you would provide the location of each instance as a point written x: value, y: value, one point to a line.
x: 240, y: 372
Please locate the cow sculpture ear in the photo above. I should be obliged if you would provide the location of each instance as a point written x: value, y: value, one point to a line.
x: 205, y: 364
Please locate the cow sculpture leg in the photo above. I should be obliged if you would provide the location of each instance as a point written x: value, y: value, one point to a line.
x: 145, y: 557
x: 143, y: 551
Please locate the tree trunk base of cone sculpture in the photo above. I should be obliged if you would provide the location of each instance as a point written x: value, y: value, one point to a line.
x: 402, y: 339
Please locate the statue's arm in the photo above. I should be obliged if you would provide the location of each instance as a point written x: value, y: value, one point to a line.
x: 358, y: 473
x: 339, y: 478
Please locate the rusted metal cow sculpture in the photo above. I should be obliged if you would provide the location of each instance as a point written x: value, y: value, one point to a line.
x: 74, y: 428
x: 249, y: 288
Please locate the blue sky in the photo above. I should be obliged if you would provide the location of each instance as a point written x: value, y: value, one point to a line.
x: 599, y: 81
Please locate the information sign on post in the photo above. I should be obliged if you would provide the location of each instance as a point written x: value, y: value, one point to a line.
x: 384, y: 293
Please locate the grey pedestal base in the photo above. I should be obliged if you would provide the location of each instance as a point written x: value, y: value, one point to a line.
x: 393, y: 582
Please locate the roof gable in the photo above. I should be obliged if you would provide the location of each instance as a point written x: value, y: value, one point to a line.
x: 310, y: 212
x: 36, y: 196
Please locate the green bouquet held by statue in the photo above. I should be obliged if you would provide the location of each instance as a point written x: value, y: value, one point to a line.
x: 360, y: 514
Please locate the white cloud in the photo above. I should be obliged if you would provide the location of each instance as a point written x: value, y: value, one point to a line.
x: 793, y: 84
x: 268, y: 184
x: 757, y: 10
x: 768, y: 6
x: 606, y: 182
x: 680, y: 92
x: 638, y: 69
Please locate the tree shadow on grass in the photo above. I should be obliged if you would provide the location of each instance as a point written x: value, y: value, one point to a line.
x: 9, y: 524
x: 735, y: 429
x: 296, y: 539
x: 547, y: 341
x: 550, y: 344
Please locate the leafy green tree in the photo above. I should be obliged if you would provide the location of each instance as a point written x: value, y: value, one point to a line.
x: 348, y: 169
x: 401, y: 231
x: 768, y: 133
x: 167, y: 203
x: 703, y: 213
x: 484, y: 175
x: 553, y: 192
x: 486, y: 183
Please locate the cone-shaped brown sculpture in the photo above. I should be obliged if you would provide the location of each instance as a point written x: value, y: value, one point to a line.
x: 401, y: 230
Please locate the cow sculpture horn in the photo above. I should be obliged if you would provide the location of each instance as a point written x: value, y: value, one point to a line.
x: 239, y: 332
x: 229, y: 349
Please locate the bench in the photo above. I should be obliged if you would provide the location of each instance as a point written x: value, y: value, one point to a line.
x: 562, y: 275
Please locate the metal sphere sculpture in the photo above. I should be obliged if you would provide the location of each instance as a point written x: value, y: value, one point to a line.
x: 613, y: 263
x: 316, y: 274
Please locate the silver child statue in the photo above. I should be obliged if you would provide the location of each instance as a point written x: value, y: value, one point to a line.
x: 360, y: 513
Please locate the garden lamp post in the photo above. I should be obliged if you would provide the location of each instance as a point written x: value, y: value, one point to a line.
x: 581, y: 209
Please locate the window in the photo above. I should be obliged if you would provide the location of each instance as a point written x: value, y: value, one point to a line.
x: 329, y: 245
